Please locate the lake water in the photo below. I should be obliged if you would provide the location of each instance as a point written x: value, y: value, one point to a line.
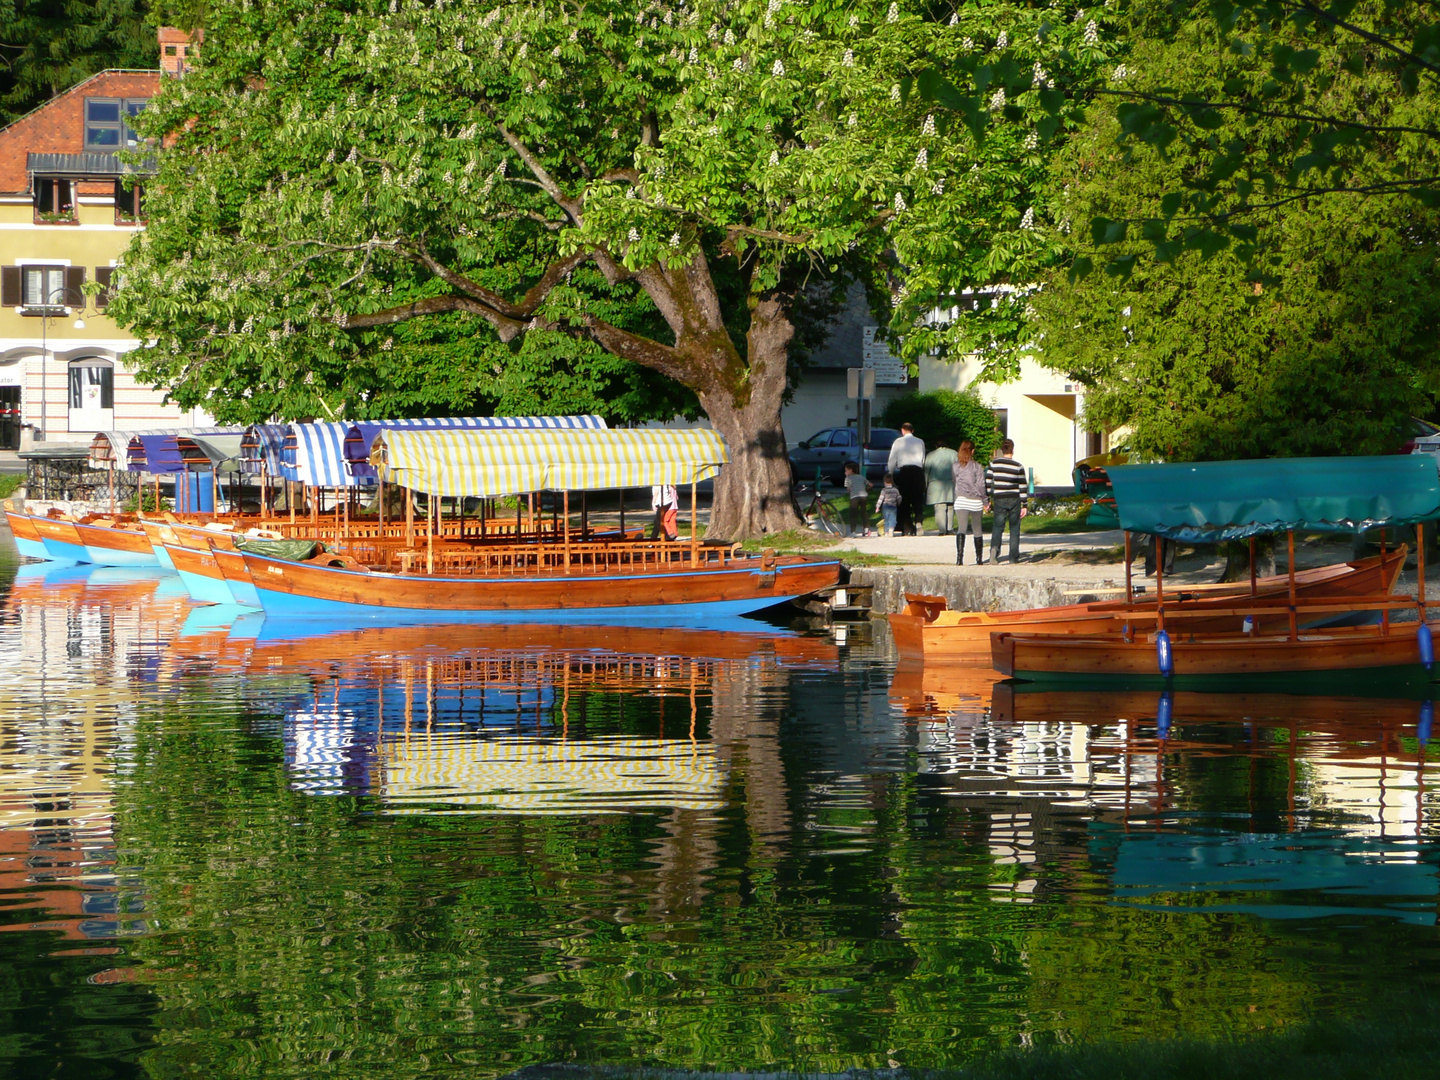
x: 235, y: 849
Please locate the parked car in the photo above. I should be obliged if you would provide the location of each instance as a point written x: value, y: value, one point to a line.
x: 827, y: 452
x: 1424, y: 438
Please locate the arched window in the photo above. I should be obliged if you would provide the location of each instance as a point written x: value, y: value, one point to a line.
x: 92, y: 383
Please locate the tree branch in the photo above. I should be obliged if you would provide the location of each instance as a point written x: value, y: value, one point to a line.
x: 507, y: 328
x: 1374, y: 39
x: 1240, y: 106
x: 538, y: 170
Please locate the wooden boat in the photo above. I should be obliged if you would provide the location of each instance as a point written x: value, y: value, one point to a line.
x: 631, y: 582
x: 926, y: 628
x: 200, y: 573
x: 28, y: 540
x: 1037, y: 657
x: 100, y: 539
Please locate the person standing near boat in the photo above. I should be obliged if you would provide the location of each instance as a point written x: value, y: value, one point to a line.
x: 1005, y: 485
x: 968, y: 477
x: 907, y: 463
x: 665, y: 501
x: 940, y: 484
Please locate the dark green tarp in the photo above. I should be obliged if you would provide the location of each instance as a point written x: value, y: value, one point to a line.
x: 294, y: 550
x: 1208, y: 501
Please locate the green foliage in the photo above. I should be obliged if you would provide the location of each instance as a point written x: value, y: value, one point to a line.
x: 10, y: 483
x: 947, y: 416
x: 1279, y: 103
x: 1328, y: 352
x: 47, y: 47
x: 334, y: 173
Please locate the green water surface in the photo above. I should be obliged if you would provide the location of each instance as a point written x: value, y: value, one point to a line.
x: 231, y: 849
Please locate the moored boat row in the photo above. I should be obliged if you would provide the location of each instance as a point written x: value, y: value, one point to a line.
x: 485, y: 570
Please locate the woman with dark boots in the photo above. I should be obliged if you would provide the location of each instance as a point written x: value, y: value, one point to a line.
x: 969, y: 502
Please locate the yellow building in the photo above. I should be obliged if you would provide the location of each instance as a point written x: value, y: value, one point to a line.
x: 66, y: 217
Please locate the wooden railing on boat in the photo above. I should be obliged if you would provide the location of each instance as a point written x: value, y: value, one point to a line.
x: 489, y: 559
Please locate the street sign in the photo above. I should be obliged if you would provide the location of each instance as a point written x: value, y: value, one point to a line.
x: 889, y: 369
x: 860, y: 382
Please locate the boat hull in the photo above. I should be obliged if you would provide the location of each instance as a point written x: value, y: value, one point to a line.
x: 308, y: 590
x: 1044, y: 657
x: 27, y: 539
x: 965, y: 635
x: 110, y: 546
x: 237, y: 578
x: 201, y: 575
x: 61, y: 540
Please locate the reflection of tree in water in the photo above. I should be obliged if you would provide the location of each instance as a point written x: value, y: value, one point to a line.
x: 827, y: 912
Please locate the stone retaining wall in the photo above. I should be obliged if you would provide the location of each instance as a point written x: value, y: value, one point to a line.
x: 965, y: 592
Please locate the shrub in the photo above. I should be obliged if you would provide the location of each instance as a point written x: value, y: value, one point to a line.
x: 947, y: 416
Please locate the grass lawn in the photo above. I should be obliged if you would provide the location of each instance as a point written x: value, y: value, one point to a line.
x: 9, y: 482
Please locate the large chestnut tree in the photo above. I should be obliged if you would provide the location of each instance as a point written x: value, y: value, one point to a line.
x: 661, y: 183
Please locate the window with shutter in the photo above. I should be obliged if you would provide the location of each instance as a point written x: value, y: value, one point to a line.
x: 42, y: 287
x: 105, y: 275
x: 10, y: 289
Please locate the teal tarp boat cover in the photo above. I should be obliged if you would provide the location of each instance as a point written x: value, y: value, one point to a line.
x: 1209, y: 501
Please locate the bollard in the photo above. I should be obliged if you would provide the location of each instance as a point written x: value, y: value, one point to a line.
x: 1164, y: 655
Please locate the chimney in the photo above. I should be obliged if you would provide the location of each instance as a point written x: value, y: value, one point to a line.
x: 176, y: 46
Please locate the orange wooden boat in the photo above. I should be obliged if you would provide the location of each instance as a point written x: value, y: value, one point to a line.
x: 28, y: 540
x: 628, y: 582
x: 926, y: 628
x: 105, y: 540
x: 1394, y: 649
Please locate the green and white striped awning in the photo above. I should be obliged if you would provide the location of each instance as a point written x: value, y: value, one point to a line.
x: 508, y: 461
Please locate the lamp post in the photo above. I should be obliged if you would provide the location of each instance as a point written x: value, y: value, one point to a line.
x: 65, y: 292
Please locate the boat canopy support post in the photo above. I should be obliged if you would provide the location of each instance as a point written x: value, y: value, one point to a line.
x: 1253, y: 586
x: 112, y: 484
x: 565, y: 543
x: 380, y: 504
x: 1129, y: 584
x: 1159, y: 583
x: 1289, y: 545
x: 1420, y: 568
x: 430, y: 538
x: 1384, y: 612
x: 694, y: 529
x: 622, y: 513
x: 410, y: 518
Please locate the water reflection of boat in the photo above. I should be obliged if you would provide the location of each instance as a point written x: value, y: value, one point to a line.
x: 1029, y: 702
x: 1286, y: 875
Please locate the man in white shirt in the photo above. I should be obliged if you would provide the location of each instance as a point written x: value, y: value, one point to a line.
x: 907, y: 462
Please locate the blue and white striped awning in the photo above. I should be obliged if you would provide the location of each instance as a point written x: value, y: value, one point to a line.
x: 264, y: 444
x: 314, y: 454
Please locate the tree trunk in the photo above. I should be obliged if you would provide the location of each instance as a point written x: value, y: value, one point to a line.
x: 753, y: 494
x: 1237, y: 559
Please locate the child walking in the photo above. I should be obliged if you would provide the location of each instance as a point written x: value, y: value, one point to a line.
x: 888, y: 504
x: 856, y: 487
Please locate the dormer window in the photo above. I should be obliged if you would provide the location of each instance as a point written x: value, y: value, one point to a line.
x: 107, y: 123
x: 54, y: 199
